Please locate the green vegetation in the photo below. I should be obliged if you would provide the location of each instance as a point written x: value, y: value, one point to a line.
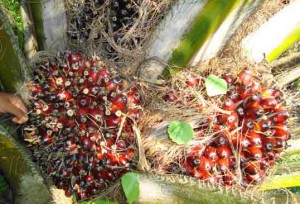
x: 13, y: 7
x: 3, y: 185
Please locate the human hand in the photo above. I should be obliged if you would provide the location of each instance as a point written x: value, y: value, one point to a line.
x: 14, y: 105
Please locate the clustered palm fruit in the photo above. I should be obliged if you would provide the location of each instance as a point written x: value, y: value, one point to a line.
x: 122, y: 15
x: 82, y: 23
x: 84, y: 121
x: 249, y: 137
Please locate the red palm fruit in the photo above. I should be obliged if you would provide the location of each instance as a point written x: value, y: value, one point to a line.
x: 194, y: 161
x: 228, y: 77
x: 103, y: 76
x: 239, y: 141
x: 71, y: 124
x: 228, y: 104
x: 245, y: 77
x: 192, y: 80
x: 119, y: 103
x: 47, y: 139
x: 74, y: 57
x: 268, y: 144
x: 240, y: 111
x: 207, y: 177
x: 248, y: 124
x: 254, y: 153
x: 227, y: 180
x: 253, y: 101
x: 121, y: 145
x: 111, y: 159
x: 61, y: 184
x: 224, y: 151
x: 263, y: 125
x: 245, y: 182
x: 255, y: 113
x: 211, y: 153
x: 129, y: 154
x: 255, y: 87
x: 256, y: 177
x: 223, y: 164
x: 134, y: 98
x: 281, y: 115
x: 219, y: 128
x: 279, y: 145
x: 94, y: 90
x: 171, y: 97
x: 197, y: 174
x: 96, y: 114
x: 221, y: 139
x: 278, y: 94
x: 187, y: 169
x: 113, y: 121
x: 232, y: 162
x: 122, y: 160
x: 93, y: 76
x: 252, y: 167
x: 229, y: 120
x: 242, y: 157
x: 64, y: 95
x: 265, y: 164
x: 205, y: 165
x: 83, y: 101
x: 270, y: 155
x: 196, y: 150
x: 82, y: 195
x: 52, y: 84
x: 244, y: 91
x: 254, y: 138
x: 81, y: 115
x: 92, y: 190
x: 86, y: 143
x: 269, y: 103
x: 112, y: 85
x: 281, y: 129
x: 233, y: 95
x: 134, y: 114
x: 110, y: 142
x: 267, y: 93
x: 35, y: 89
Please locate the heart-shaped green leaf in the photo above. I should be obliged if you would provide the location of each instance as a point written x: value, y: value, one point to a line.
x: 180, y: 132
x: 215, y: 85
x: 131, y: 186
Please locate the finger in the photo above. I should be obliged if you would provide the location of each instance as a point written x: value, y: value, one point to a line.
x: 18, y: 102
x: 20, y: 115
x: 16, y: 120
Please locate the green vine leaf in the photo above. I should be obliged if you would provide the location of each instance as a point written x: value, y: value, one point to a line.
x: 180, y: 132
x: 215, y: 85
x: 131, y: 186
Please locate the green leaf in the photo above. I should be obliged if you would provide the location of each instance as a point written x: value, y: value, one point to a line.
x: 131, y: 186
x: 180, y: 132
x: 215, y: 85
x: 103, y: 202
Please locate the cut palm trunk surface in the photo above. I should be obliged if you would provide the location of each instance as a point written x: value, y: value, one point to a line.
x: 275, y: 36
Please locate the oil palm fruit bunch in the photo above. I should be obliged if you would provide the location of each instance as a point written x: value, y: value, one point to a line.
x: 81, y: 124
x: 124, y: 13
x: 249, y: 135
x: 81, y: 23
